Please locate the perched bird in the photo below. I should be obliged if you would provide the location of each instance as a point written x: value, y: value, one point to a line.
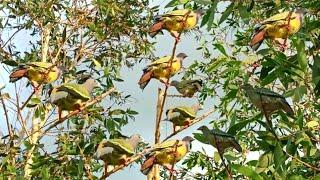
x: 187, y: 87
x: 219, y: 139
x: 278, y: 26
x: 176, y: 21
x: 182, y: 115
x: 116, y: 152
x: 72, y: 96
x: 267, y: 101
x: 161, y: 69
x: 167, y: 154
x: 37, y: 73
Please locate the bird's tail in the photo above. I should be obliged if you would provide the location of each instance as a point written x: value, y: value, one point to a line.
x: 145, y: 79
x: 287, y: 108
x: 147, y: 165
x: 237, y: 146
x: 17, y: 74
x: 257, y: 39
x: 155, y: 28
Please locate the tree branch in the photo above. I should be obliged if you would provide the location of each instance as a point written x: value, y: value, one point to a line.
x: 160, y: 108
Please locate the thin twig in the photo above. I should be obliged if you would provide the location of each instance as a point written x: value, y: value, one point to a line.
x: 174, y: 159
x: 304, y: 163
x: 160, y: 111
x: 10, y: 38
x: 6, y: 115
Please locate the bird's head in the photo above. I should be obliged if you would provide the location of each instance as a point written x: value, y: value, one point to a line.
x: 136, y: 137
x: 203, y: 128
x: 200, y: 12
x: 197, y: 107
x: 174, y: 83
x: 62, y: 70
x: 302, y: 11
x: 188, y: 139
x: 182, y: 56
x: 246, y: 87
x: 90, y: 84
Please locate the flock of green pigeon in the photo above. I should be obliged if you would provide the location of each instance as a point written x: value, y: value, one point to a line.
x: 114, y: 152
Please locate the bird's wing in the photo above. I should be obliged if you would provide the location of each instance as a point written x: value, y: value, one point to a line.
x: 122, y: 145
x: 166, y: 144
x: 186, y: 111
x: 44, y: 65
x: 75, y: 90
x: 277, y: 17
x: 177, y: 13
x: 267, y: 92
x: 57, y: 95
x: 163, y: 61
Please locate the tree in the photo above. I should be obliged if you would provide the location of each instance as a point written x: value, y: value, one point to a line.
x: 100, y: 38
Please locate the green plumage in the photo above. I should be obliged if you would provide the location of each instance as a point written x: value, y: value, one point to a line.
x: 219, y: 139
x: 70, y: 96
x: 267, y: 101
x: 182, y: 115
x: 117, y: 151
x: 187, y: 87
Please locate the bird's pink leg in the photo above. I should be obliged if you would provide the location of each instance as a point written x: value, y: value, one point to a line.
x: 164, y: 81
x: 170, y: 168
x: 175, y: 34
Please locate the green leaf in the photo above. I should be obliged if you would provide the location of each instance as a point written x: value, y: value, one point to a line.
x: 302, y: 56
x: 216, y: 64
x: 246, y: 171
x: 271, y: 77
x: 80, y: 168
x: 10, y: 63
x: 210, y: 16
x: 226, y: 13
x: 220, y: 48
x: 203, y: 2
x: 244, y: 14
x: 316, y: 74
x: 171, y: 3
x: 45, y: 173
x: 265, y: 160
x: 278, y: 158
x: 33, y: 102
x: 239, y: 126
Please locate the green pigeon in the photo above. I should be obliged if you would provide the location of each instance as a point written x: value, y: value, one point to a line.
x: 219, y: 139
x: 167, y: 154
x: 176, y: 21
x: 188, y: 87
x: 118, y: 151
x: 277, y: 26
x: 182, y: 115
x: 37, y: 73
x: 161, y: 69
x: 72, y: 96
x: 267, y: 101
